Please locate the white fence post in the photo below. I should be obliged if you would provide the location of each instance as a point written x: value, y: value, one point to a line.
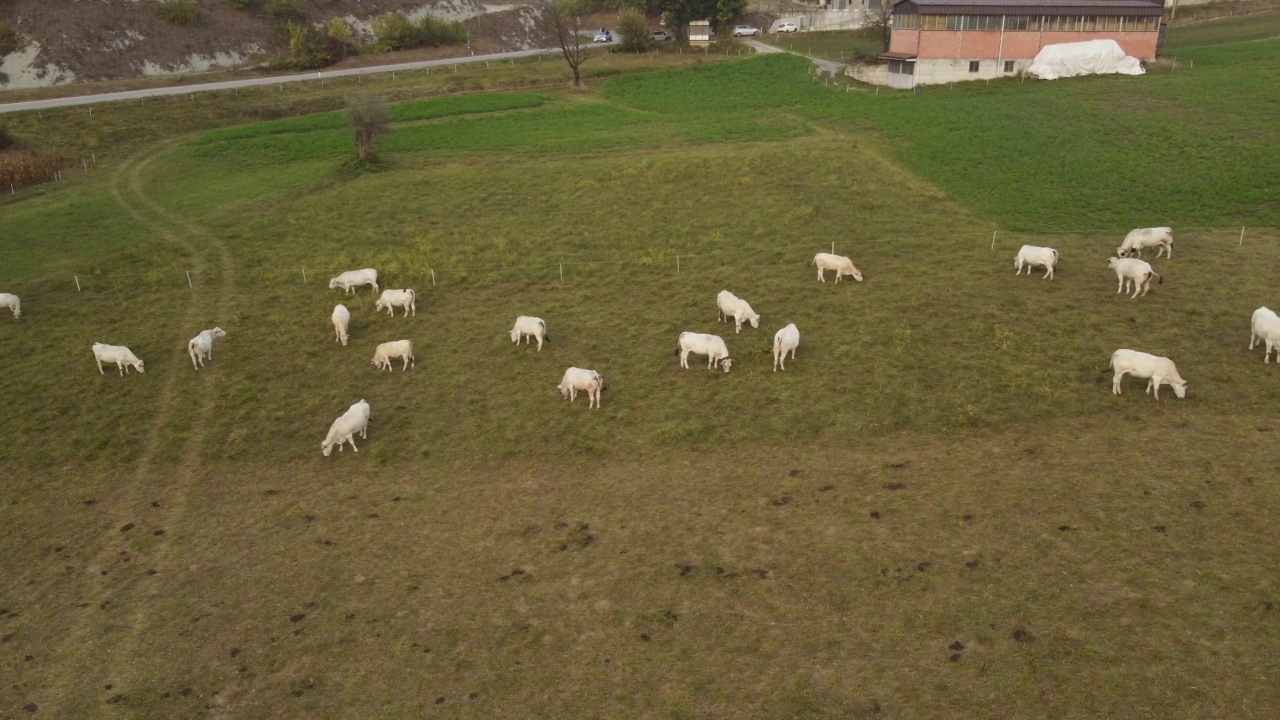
x: 189, y: 280
x: 77, y: 277
x: 993, y: 239
x: 561, y: 272
x: 833, y: 247
x: 677, y: 264
x: 1241, y: 235
x: 304, y: 275
x: 433, y: 277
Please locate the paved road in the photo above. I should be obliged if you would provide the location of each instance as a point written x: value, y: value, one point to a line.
x: 824, y: 66
x: 274, y: 80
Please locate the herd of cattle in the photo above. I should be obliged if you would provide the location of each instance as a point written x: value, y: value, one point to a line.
x: 1129, y: 268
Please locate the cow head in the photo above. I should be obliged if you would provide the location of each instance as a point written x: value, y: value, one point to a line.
x: 754, y: 320
x: 852, y: 271
x: 326, y: 447
x: 1124, y: 252
x: 725, y: 364
x: 1180, y: 389
x: 139, y: 367
x: 515, y: 335
x: 564, y: 390
x: 333, y: 283
x: 219, y: 332
x: 1112, y: 262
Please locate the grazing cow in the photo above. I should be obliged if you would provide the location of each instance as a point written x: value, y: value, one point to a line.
x: 588, y: 381
x: 1160, y: 238
x: 528, y: 326
x: 122, y: 356
x: 732, y: 306
x: 1132, y: 270
x: 788, y: 338
x: 201, y: 346
x: 841, y: 264
x: 344, y: 429
x: 1157, y: 370
x: 388, y: 351
x: 9, y: 300
x: 1265, y: 328
x: 700, y: 344
x: 341, y: 319
x: 391, y: 299
x: 1032, y: 255
x: 355, y: 278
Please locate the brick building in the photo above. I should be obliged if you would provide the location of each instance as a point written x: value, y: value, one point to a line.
x: 940, y: 41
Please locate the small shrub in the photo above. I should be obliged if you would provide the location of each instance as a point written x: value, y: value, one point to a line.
x: 633, y: 32
x: 8, y: 40
x: 308, y: 47
x: 397, y: 32
x: 179, y: 12
x: 369, y: 118
x: 284, y: 11
x: 341, y: 39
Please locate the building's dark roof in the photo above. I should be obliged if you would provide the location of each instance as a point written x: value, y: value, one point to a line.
x: 1029, y: 7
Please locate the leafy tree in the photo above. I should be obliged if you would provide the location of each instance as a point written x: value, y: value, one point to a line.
x: 308, y: 47
x: 680, y: 12
x: 565, y: 17
x: 369, y: 119
x: 341, y: 39
x: 633, y: 31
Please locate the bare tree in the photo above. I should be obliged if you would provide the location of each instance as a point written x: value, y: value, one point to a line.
x: 878, y: 21
x: 565, y: 17
x: 369, y: 119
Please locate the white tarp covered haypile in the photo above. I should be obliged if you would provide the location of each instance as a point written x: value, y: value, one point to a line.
x: 1091, y: 57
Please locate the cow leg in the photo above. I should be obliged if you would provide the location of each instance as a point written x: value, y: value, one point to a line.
x: 539, y: 343
x: 352, y: 439
x: 1115, y: 382
x: 1253, y: 337
x: 100, y: 372
x: 1121, y: 288
x: 120, y: 367
x: 822, y: 279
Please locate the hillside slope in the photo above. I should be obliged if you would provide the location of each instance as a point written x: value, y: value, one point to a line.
x: 70, y: 42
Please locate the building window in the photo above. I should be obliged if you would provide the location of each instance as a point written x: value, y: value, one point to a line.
x: 1022, y: 22
x: 1140, y: 24
x: 906, y: 22
x: 1008, y: 66
x: 973, y: 65
x: 1062, y: 23
x: 1089, y: 23
x: 933, y: 22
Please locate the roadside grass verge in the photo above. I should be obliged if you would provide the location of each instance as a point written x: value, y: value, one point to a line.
x: 1224, y: 30
x: 838, y: 45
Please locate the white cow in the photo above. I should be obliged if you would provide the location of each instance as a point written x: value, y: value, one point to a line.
x: 788, y: 338
x: 1132, y: 270
x: 344, y: 429
x: 588, y: 381
x: 355, y: 278
x: 122, y: 356
x: 9, y: 300
x: 388, y: 351
x: 731, y: 306
x: 1160, y: 238
x: 201, y: 346
x: 1157, y: 370
x: 700, y: 344
x: 841, y: 264
x: 528, y: 326
x: 391, y: 299
x: 341, y: 319
x: 1265, y: 328
x: 1032, y: 255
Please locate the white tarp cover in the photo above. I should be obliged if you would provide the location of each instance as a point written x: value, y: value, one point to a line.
x: 1091, y: 57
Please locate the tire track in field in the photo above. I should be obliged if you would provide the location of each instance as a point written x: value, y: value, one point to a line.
x: 86, y: 654
x: 177, y: 493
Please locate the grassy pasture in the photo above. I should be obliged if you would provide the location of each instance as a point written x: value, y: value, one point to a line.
x: 938, y: 511
x: 838, y: 45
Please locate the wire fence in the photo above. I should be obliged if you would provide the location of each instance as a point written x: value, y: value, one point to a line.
x: 675, y: 263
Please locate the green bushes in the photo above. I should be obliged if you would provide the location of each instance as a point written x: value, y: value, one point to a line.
x: 179, y: 12
x: 398, y: 32
x: 8, y: 40
x: 633, y: 32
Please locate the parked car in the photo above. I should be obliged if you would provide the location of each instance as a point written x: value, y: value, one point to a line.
x: 660, y: 35
x: 787, y: 27
x: 748, y: 30
x: 603, y: 36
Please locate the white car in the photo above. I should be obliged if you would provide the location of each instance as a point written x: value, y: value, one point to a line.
x: 740, y: 30
x: 603, y: 36
x: 786, y: 27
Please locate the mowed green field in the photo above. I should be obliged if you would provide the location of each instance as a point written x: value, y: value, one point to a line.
x: 938, y: 510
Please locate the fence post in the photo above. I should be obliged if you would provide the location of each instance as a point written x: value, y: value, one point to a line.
x: 1241, y: 235
x: 189, y: 280
x: 833, y: 247
x: 77, y: 277
x: 304, y: 275
x: 433, y: 277
x: 993, y: 239
x: 677, y: 264
x: 561, y: 272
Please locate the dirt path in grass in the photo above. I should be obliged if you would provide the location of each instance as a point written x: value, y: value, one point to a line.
x: 99, y: 651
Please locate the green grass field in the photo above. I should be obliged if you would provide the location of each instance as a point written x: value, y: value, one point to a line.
x: 939, y: 510
x: 838, y: 45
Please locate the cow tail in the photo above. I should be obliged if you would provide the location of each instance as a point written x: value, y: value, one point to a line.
x: 545, y: 336
x: 1161, y: 281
